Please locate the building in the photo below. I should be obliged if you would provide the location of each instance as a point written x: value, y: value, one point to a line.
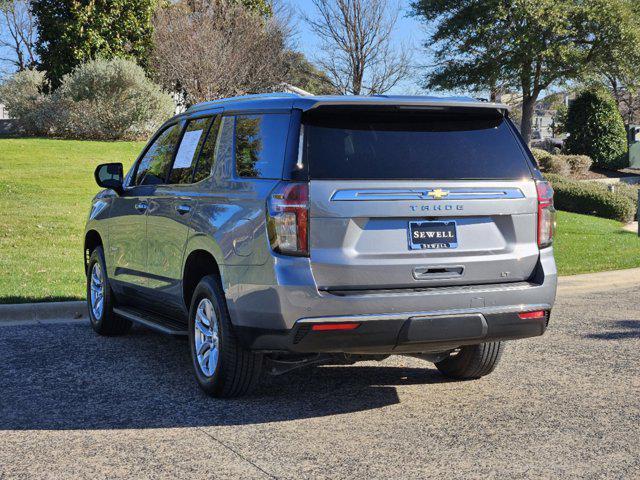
x: 4, y: 114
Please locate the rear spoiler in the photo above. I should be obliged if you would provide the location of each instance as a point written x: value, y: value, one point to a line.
x: 400, y: 103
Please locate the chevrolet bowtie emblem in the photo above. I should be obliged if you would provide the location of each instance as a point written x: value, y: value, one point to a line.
x: 437, y: 194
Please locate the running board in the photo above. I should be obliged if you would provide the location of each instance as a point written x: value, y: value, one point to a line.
x: 158, y: 323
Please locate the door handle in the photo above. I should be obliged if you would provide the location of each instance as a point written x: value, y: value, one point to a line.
x: 142, y: 206
x: 183, y: 209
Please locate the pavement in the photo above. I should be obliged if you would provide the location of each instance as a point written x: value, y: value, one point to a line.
x: 565, y: 405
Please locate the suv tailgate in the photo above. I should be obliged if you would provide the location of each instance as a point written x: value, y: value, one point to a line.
x: 377, y: 178
x: 359, y: 233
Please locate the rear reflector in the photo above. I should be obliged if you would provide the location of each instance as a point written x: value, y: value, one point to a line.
x: 534, y: 314
x: 335, y: 326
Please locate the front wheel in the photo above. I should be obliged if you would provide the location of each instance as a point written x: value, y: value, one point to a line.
x: 223, y: 368
x: 471, y: 361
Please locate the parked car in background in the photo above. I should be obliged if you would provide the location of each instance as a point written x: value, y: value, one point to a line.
x: 282, y: 230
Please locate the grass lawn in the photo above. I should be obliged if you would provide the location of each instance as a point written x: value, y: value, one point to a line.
x: 45, y: 192
x: 46, y: 186
x: 586, y: 244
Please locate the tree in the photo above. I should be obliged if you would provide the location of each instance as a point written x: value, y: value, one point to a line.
x: 619, y: 72
x: 17, y: 34
x: 524, y: 44
x: 596, y: 129
x: 220, y: 50
x: 261, y: 7
x: 302, y: 73
x: 71, y: 32
x: 357, y: 46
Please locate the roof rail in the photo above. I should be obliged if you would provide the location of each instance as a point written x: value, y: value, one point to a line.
x: 241, y: 98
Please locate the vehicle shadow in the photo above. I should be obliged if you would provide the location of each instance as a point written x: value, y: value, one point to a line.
x: 621, y: 329
x: 64, y: 377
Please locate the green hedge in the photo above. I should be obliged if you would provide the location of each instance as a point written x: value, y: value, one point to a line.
x: 591, y: 198
x: 630, y: 191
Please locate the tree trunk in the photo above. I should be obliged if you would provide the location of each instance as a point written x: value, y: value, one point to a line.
x: 528, y: 106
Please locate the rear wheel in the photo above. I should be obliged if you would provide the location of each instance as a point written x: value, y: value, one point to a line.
x: 222, y: 366
x: 100, y: 300
x: 472, y: 361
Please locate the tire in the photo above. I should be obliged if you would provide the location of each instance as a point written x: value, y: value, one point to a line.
x: 473, y: 361
x: 103, y: 320
x: 231, y: 371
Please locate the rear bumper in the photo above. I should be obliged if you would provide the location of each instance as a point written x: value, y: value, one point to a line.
x: 419, y: 333
x: 273, y: 313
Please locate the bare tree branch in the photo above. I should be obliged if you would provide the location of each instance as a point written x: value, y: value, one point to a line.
x: 217, y: 49
x: 356, y: 43
x: 17, y: 33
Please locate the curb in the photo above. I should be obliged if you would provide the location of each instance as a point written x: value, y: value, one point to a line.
x: 35, y: 312
x: 599, y: 282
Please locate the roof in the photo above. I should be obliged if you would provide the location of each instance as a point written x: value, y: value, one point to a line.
x: 308, y: 102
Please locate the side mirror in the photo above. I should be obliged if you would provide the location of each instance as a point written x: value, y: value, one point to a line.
x: 109, y: 175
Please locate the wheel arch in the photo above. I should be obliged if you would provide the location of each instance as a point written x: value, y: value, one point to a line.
x: 92, y: 239
x: 198, y: 263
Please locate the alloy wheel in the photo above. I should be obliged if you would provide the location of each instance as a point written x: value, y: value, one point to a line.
x: 206, y: 337
x: 97, y: 291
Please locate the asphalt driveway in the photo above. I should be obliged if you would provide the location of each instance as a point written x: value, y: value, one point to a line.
x: 564, y: 405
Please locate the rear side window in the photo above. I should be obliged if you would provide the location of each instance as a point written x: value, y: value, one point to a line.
x: 186, y: 156
x: 260, y: 142
x: 155, y: 164
x: 412, y: 145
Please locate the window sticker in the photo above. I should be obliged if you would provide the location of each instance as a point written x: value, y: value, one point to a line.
x: 187, y: 150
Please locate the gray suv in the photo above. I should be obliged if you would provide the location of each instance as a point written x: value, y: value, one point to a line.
x: 277, y: 231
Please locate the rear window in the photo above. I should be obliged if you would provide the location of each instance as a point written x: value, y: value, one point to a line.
x: 412, y: 145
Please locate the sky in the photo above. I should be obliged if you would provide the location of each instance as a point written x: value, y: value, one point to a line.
x: 409, y: 31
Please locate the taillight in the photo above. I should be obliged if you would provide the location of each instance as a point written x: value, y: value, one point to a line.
x: 288, y: 219
x: 546, y: 214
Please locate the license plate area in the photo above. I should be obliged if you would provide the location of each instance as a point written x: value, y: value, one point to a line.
x: 432, y: 235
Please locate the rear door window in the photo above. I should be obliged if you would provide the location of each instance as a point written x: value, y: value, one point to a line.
x: 412, y: 145
x: 260, y: 142
x: 154, y: 165
x: 187, y: 154
x: 207, y: 157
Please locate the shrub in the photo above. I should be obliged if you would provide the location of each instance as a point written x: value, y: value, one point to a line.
x: 555, y: 164
x: 591, y: 198
x: 110, y: 100
x: 540, y: 154
x: 629, y: 191
x: 23, y: 96
x: 596, y: 129
x: 579, y: 164
x: 563, y: 165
